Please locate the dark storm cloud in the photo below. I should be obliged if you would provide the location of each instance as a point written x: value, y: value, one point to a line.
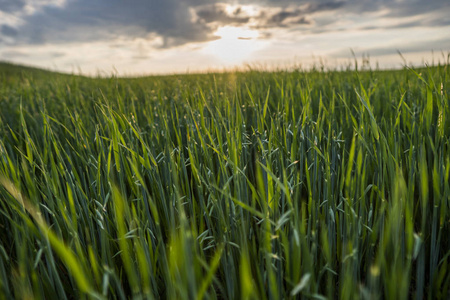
x: 182, y: 21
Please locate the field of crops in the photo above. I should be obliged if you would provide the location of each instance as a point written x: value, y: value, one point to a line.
x: 255, y: 185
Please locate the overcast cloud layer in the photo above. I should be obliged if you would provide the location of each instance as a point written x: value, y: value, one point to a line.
x: 161, y: 26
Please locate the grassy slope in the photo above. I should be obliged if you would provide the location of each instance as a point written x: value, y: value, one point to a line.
x: 240, y: 185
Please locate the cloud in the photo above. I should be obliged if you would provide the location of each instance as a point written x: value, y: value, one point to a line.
x: 20, y: 8
x: 283, y: 18
x: 324, y: 6
x: 409, y: 8
x: 12, y: 5
x: 218, y: 13
x: 439, y: 44
x: 86, y: 21
x: 395, y: 8
x: 422, y: 22
x: 178, y: 22
x: 14, y: 54
x: 8, y: 30
x: 268, y: 16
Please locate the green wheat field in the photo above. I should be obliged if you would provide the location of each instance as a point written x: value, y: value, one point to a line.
x: 239, y: 185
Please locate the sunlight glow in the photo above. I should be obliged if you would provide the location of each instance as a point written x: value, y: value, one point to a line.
x: 235, y: 44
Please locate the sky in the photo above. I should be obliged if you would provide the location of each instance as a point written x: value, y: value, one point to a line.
x: 140, y: 37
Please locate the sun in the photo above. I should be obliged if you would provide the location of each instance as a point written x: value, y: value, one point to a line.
x: 235, y: 44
